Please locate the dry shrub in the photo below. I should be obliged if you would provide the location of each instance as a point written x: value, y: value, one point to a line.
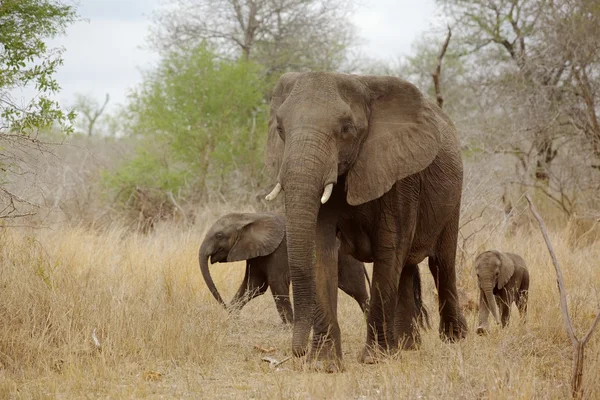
x: 60, y: 179
x: 583, y: 232
x: 62, y: 182
x: 163, y: 335
x: 147, y: 206
x: 57, y: 293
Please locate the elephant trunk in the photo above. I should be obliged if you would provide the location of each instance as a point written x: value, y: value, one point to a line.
x: 304, y: 175
x: 203, y: 259
x: 490, y: 301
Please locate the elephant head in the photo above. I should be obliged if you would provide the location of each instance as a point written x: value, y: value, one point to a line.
x: 237, y: 237
x: 494, y: 269
x: 368, y: 131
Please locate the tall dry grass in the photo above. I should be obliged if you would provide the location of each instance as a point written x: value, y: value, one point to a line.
x: 162, y: 335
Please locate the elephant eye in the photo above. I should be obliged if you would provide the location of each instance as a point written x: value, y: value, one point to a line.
x: 347, y: 130
x: 279, y: 128
x: 219, y: 235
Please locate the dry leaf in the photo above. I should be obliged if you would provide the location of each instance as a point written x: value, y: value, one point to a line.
x: 263, y: 349
x: 152, y: 376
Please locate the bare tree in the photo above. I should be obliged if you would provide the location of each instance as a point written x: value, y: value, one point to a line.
x: 90, y: 110
x: 280, y: 34
x: 536, y: 66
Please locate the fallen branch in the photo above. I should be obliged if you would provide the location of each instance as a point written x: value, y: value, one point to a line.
x: 274, y: 363
x: 578, y: 345
x: 438, y: 71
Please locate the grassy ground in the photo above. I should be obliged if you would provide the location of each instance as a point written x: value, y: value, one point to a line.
x: 162, y: 335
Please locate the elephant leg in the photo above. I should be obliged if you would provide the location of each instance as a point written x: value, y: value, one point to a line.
x: 381, y: 328
x: 381, y: 335
x: 253, y: 285
x: 484, y: 313
x: 522, y: 297
x: 281, y: 295
x: 351, y: 279
x: 504, y: 303
x: 397, y: 224
x: 453, y: 325
x: 407, y: 310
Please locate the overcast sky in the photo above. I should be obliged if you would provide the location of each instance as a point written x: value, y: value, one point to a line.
x: 105, y: 53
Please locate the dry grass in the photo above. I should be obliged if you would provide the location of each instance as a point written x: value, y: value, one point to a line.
x: 162, y: 334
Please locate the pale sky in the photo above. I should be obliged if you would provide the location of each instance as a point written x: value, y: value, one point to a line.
x: 105, y: 53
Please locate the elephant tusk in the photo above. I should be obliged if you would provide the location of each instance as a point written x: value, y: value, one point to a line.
x: 327, y: 193
x: 274, y: 192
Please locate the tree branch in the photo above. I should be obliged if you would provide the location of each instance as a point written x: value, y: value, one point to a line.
x: 561, y: 284
x: 578, y: 346
x: 438, y: 70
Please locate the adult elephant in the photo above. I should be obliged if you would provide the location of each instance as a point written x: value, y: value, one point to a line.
x: 370, y: 159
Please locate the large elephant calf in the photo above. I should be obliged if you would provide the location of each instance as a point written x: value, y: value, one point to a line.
x: 259, y: 238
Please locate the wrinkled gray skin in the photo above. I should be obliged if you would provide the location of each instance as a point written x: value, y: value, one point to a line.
x: 259, y: 238
x: 394, y: 161
x: 502, y: 279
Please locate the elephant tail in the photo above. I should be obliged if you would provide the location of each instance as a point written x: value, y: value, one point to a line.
x: 421, y: 310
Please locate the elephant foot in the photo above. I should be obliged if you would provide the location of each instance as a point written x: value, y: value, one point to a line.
x: 299, y: 341
x: 372, y: 355
x: 482, y: 330
x: 325, y: 355
x: 324, y: 359
x: 368, y: 356
x: 453, y: 329
x: 328, y: 366
x: 410, y: 342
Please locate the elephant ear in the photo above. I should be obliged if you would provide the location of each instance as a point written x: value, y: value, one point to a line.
x: 275, y: 146
x: 518, y: 260
x: 507, y: 268
x: 259, y: 235
x: 403, y: 138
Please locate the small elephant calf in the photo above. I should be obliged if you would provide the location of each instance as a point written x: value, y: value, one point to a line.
x: 503, y: 279
x: 259, y: 238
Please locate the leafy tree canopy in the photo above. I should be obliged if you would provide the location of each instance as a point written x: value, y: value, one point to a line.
x: 204, y: 114
x: 26, y: 59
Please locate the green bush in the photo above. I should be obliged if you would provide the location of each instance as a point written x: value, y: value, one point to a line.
x: 200, y: 120
x: 148, y: 169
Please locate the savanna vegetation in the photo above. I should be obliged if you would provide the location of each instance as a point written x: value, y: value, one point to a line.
x: 102, y: 213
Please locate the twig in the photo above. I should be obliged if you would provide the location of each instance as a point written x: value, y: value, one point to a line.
x: 273, y: 363
x: 438, y: 70
x: 95, y: 340
x: 13, y: 216
x: 578, y: 345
